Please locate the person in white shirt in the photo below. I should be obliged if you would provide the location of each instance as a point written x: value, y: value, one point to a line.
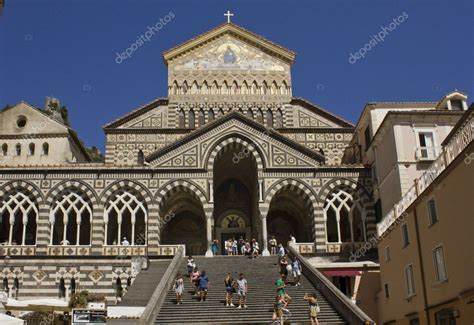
x: 125, y: 242
x: 292, y: 239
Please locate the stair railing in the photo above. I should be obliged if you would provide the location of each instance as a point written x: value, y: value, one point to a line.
x: 350, y: 312
x: 157, y: 299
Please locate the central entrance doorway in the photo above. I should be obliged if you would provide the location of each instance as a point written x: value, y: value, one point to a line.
x: 235, y: 194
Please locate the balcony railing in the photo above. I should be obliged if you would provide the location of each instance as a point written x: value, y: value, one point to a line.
x: 445, y: 156
x: 427, y: 153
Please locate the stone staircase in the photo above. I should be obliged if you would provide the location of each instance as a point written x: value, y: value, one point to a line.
x: 261, y: 274
x: 144, y: 285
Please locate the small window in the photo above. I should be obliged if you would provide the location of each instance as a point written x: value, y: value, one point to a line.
x: 73, y: 286
x: 140, y: 158
x: 415, y: 321
x: 387, y: 253
x: 62, y: 288
x: 432, y: 214
x: 367, y: 137
x: 210, y: 115
x: 387, y: 294
x: 192, y: 119
x: 45, y: 149
x: 427, y: 146
x: 440, y: 266
x: 31, y: 149
x: 5, y: 149
x: 259, y: 116
x: 18, y: 149
x: 410, y: 280
x: 445, y: 317
x: 21, y: 121
x: 201, y: 120
x: 456, y: 105
x: 269, y: 119
x: 181, y: 120
x: 378, y: 210
x: 405, y: 236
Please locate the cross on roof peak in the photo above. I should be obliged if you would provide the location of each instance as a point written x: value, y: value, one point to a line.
x: 228, y: 14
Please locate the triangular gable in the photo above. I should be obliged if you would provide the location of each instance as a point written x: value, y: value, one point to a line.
x: 137, y: 114
x: 237, y: 31
x: 311, y: 115
x: 276, y: 151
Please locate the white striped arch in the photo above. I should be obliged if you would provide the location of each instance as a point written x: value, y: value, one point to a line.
x: 72, y: 185
x: 295, y: 185
x: 172, y: 187
x: 32, y: 189
x: 353, y: 188
x: 249, y: 150
x: 126, y: 185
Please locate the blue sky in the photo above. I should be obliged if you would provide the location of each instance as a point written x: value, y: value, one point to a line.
x: 67, y: 49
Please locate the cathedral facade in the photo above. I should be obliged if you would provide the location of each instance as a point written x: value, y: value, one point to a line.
x: 229, y: 153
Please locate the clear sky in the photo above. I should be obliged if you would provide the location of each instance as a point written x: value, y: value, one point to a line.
x: 67, y: 49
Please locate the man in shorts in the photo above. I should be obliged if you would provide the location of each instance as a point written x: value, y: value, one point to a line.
x: 280, y: 283
x: 203, y: 285
x: 296, y: 267
x: 242, y: 291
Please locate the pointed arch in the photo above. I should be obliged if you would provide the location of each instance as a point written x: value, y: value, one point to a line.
x: 194, y: 88
x: 278, y: 119
x: 269, y: 118
x: 185, y: 88
x: 188, y: 186
x: 224, y: 88
x: 244, y: 88
x: 205, y: 88
x: 235, y: 88
x: 175, y: 88
x: 259, y: 116
x: 249, y: 113
x: 201, y: 118
x: 274, y: 88
x: 181, y: 119
x: 264, y: 88
x: 284, y: 88
x: 255, y: 89
x: 210, y: 115
x: 215, y: 88
x: 191, y: 119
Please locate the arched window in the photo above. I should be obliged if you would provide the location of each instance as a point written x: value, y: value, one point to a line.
x: 185, y: 88
x: 345, y: 221
x: 245, y: 88
x: 254, y: 89
x: 194, y: 88
x: 264, y: 88
x: 214, y: 88
x: 18, y: 149
x: 205, y: 88
x: 16, y: 287
x: 175, y: 88
x: 45, y: 149
x: 201, y: 118
x: 259, y: 116
x: 141, y: 158
x: 249, y: 113
x: 125, y: 219
x: 269, y: 119
x: 224, y: 88
x: 284, y: 88
x: 5, y: 149
x: 181, y: 119
x: 118, y: 288
x: 19, y: 215
x: 62, y: 288
x: 235, y: 88
x: 192, y: 119
x: 274, y: 89
x: 220, y: 113
x: 70, y: 219
x: 210, y: 115
x: 31, y: 149
x: 278, y: 119
x: 73, y: 286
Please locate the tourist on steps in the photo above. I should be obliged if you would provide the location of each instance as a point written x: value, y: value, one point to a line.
x: 229, y: 288
x: 255, y: 248
x: 195, y: 279
x: 242, y: 291
x: 190, y: 267
x: 297, y: 269
x: 281, y: 252
x: 283, y: 265
x: 313, y: 308
x: 273, y: 245
x: 179, y: 288
x: 214, y: 247
x: 203, y: 285
x: 278, y: 310
x: 234, y: 247
x: 280, y: 283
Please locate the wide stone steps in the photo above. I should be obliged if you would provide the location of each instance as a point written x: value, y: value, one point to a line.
x: 144, y: 285
x: 261, y: 275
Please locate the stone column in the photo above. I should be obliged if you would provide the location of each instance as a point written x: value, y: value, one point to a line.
x: 209, y: 233
x: 263, y: 216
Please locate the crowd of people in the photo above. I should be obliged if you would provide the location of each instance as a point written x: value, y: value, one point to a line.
x: 239, y: 287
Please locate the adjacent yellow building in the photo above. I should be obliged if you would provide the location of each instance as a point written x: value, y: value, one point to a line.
x: 426, y: 242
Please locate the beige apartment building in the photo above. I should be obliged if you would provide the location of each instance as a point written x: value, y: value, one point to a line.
x: 425, y: 243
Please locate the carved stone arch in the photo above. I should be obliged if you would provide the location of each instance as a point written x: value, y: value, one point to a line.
x: 124, y: 184
x: 294, y: 184
x: 205, y: 88
x: 234, y: 88
x: 73, y: 184
x: 24, y: 185
x: 175, y: 88
x: 354, y: 187
x: 244, y: 89
x: 185, y: 87
x: 254, y: 89
x: 188, y: 186
x: 224, y: 142
x: 194, y: 88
